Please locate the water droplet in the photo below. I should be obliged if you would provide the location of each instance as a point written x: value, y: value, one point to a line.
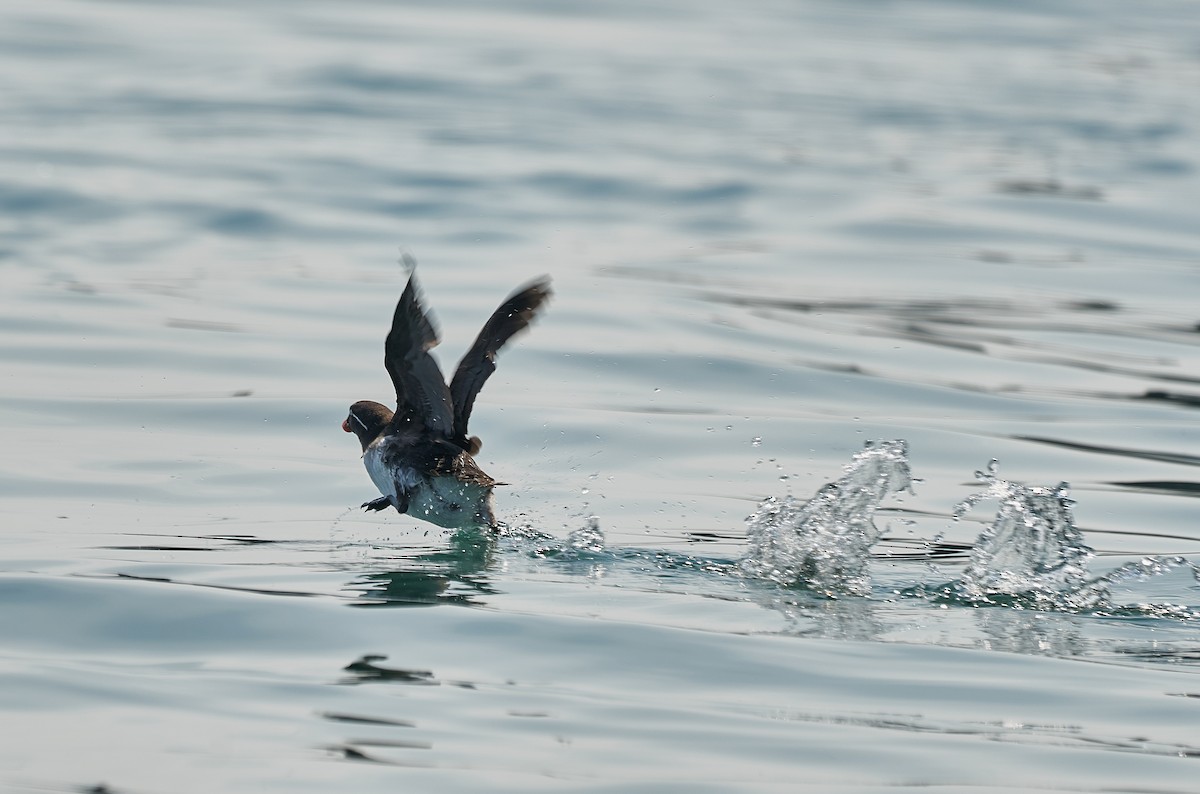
x: 756, y: 441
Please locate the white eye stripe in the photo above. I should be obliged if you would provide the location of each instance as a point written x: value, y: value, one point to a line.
x: 361, y: 423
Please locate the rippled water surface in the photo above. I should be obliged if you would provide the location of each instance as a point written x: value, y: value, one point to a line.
x: 777, y: 230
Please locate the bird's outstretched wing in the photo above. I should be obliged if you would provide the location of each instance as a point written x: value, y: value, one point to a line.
x: 421, y: 393
x: 514, y: 315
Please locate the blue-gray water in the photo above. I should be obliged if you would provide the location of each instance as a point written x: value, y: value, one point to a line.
x: 776, y: 230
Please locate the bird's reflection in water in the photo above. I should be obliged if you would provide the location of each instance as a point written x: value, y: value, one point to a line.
x: 813, y: 615
x: 368, y: 670
x: 455, y: 575
x: 1032, y: 632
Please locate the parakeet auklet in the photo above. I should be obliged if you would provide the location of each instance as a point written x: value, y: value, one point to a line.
x: 420, y: 457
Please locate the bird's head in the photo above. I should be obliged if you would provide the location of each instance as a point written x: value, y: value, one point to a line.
x: 366, y: 420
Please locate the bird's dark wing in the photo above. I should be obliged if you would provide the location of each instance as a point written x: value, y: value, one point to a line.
x: 479, y: 363
x: 421, y: 393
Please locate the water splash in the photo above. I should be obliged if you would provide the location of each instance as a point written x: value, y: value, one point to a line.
x: 1033, y: 556
x: 824, y: 544
x: 1141, y: 571
x: 588, y: 538
x: 1032, y: 548
x: 587, y: 541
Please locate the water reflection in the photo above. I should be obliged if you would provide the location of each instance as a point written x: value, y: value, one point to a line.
x: 1181, y: 459
x: 1032, y: 633
x: 463, y: 572
x: 454, y: 575
x: 368, y: 670
x: 814, y: 616
x: 1057, y: 338
x: 1162, y: 652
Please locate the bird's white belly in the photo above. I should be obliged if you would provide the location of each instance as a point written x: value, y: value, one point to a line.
x: 449, y: 503
x: 444, y: 500
x: 386, y: 479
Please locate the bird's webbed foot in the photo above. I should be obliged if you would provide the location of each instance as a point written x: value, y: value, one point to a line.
x: 382, y: 503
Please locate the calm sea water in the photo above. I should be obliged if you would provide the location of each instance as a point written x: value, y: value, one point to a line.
x: 776, y: 229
